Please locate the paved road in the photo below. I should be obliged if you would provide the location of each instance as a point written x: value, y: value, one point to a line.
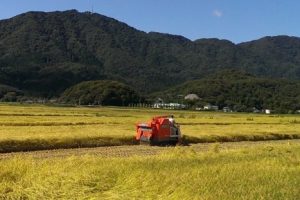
x: 139, y: 150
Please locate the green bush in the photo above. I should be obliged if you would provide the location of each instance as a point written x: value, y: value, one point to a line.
x: 100, y: 93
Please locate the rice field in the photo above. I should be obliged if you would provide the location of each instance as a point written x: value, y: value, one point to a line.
x: 264, y: 171
x: 34, y: 127
x: 232, y: 170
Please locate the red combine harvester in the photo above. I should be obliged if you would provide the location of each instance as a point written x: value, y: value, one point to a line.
x: 160, y: 130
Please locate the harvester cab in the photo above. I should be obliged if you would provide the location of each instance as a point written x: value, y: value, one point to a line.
x: 160, y: 130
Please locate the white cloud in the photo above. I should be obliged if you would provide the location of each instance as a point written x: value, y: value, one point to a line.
x: 217, y: 13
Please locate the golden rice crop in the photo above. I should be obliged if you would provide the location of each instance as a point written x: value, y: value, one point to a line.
x: 263, y: 172
x: 31, y: 127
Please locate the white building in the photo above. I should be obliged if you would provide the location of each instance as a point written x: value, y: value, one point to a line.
x: 268, y: 111
x: 226, y: 109
x: 210, y: 107
x: 169, y: 105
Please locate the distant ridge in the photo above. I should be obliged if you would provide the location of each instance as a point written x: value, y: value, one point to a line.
x: 43, y: 53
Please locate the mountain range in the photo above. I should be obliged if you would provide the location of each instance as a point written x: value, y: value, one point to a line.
x: 43, y: 53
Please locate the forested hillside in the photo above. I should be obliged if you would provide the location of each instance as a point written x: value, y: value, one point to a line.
x: 43, y: 53
x: 100, y: 93
x: 239, y: 91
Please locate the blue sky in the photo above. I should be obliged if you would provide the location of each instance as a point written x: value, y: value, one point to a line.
x: 235, y: 20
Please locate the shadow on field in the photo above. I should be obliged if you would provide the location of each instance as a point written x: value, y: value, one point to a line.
x: 237, y: 138
x: 66, y: 143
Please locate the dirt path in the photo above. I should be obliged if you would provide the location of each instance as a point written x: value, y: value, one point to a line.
x: 138, y: 150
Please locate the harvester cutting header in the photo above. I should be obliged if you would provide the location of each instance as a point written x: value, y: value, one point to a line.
x: 160, y: 130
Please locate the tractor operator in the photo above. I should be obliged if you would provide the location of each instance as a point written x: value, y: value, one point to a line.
x: 171, y: 120
x: 174, y: 129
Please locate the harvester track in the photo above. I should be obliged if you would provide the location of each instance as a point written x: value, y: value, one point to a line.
x: 139, y: 150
